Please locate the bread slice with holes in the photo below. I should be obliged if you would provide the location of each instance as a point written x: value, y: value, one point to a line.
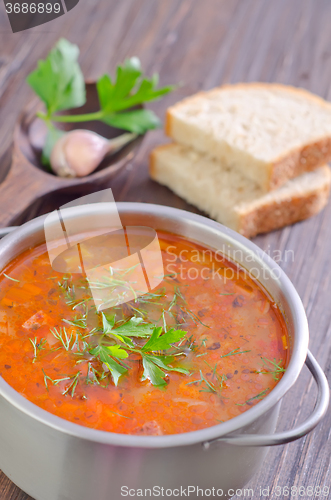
x: 269, y: 132
x: 231, y: 198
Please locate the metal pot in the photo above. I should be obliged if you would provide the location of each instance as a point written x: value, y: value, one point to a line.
x: 53, y: 459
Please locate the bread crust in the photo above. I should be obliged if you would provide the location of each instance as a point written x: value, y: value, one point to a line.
x: 298, y: 161
x: 269, y: 218
x: 264, y: 85
x: 294, y: 162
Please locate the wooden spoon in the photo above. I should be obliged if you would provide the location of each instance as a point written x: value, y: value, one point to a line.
x: 28, y: 180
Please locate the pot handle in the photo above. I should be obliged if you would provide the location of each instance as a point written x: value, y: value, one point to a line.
x: 320, y: 409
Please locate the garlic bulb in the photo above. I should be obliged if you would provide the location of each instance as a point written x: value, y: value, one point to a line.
x: 79, y: 152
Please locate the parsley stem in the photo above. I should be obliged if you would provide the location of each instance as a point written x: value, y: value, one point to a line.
x: 98, y: 115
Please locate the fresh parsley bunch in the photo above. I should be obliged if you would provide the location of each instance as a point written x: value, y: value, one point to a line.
x: 59, y: 82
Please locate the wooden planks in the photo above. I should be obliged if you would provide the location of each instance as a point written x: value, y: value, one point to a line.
x: 203, y: 44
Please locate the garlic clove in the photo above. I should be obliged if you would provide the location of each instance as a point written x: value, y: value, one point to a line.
x: 84, y: 151
x: 79, y: 152
x: 58, y: 160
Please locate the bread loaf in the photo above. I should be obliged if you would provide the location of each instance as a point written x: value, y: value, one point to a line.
x: 236, y: 201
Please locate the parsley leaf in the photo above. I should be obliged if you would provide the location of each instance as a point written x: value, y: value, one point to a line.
x: 116, y: 97
x: 154, y: 365
x: 152, y: 372
x: 159, y: 342
x: 108, y: 323
x: 126, y: 78
x: 152, y: 369
x: 132, y: 328
x: 162, y: 360
x: 117, y: 351
x: 137, y: 121
x: 58, y: 80
x: 104, y: 355
x: 121, y: 94
x: 135, y: 328
x: 147, y: 91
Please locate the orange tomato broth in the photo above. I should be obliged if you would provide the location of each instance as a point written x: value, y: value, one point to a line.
x: 236, y: 344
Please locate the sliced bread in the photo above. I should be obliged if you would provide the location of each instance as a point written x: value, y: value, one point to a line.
x: 269, y: 132
x: 231, y: 198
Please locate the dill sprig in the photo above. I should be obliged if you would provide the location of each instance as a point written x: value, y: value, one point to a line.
x: 180, y: 302
x: 72, y: 387
x: 46, y: 377
x: 62, y: 335
x: 234, y: 352
x: 277, y: 368
x: 77, y: 322
x: 69, y: 289
x: 258, y: 396
x: 114, y: 280
x: 82, y: 303
x: 220, y: 378
x: 210, y: 387
x: 37, y: 346
x: 10, y: 278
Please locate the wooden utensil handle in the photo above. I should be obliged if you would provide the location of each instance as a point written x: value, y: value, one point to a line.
x: 19, y: 191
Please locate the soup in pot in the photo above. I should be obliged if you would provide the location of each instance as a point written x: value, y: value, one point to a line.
x: 203, y: 347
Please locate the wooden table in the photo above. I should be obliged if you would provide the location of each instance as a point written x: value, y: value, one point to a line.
x: 203, y: 44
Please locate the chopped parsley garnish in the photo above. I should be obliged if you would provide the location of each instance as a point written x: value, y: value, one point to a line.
x: 153, y: 353
x: 110, y: 343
